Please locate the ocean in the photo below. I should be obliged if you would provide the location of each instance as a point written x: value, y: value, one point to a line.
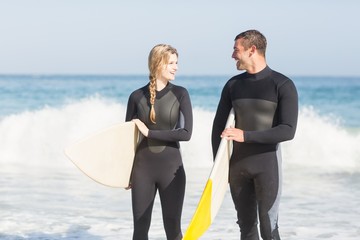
x: 44, y: 196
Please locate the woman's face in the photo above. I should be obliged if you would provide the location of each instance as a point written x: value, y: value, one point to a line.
x: 169, y: 70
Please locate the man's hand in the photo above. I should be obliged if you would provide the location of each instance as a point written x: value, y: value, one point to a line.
x: 233, y: 134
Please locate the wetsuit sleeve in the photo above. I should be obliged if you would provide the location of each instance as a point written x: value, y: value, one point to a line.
x: 287, y: 114
x: 184, y: 127
x: 131, y: 109
x: 221, y: 116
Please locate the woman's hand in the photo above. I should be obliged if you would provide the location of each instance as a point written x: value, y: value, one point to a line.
x: 141, y: 126
x: 233, y: 134
x: 128, y: 187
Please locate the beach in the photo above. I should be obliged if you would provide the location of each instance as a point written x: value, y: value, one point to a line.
x: 44, y: 196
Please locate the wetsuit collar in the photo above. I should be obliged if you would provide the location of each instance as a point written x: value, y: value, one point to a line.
x: 260, y: 75
x: 163, y: 91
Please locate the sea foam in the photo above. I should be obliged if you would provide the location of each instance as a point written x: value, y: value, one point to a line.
x: 37, y: 138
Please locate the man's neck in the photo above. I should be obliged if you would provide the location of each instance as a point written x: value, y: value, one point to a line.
x: 257, y: 65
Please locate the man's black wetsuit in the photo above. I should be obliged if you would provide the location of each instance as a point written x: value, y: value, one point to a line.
x: 266, y: 108
x: 158, y: 163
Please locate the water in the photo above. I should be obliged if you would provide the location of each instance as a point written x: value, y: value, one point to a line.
x: 44, y: 196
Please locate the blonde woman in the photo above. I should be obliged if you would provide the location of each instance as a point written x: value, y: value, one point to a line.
x: 162, y: 111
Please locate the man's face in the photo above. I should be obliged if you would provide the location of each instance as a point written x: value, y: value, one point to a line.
x: 241, y: 55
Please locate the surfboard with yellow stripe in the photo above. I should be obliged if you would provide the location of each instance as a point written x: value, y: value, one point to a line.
x: 215, y: 189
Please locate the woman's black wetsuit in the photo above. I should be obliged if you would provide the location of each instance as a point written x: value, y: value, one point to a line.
x: 158, y: 163
x: 266, y: 108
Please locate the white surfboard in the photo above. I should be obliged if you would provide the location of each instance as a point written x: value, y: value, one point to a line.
x: 108, y: 155
x: 215, y: 189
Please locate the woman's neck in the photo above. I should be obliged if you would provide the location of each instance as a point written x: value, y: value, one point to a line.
x: 161, y: 84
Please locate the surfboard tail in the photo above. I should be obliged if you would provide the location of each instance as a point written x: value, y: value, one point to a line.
x: 202, y: 217
x: 214, y: 191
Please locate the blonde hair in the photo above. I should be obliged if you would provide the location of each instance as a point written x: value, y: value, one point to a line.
x: 158, y: 57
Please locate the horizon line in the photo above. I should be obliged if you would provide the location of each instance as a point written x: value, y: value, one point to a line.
x: 40, y: 75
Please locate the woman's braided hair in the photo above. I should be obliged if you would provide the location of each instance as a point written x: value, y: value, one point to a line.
x: 158, y: 58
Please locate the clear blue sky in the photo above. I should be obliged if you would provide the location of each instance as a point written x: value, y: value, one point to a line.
x: 305, y: 37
